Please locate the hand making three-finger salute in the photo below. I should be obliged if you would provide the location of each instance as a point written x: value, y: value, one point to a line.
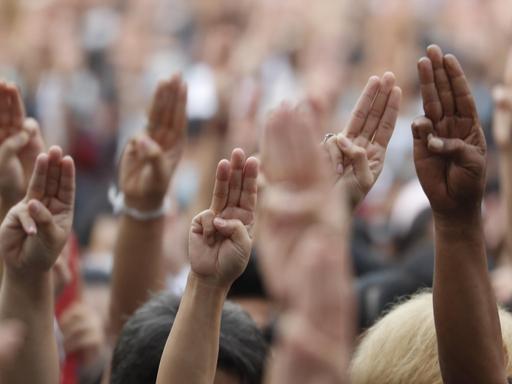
x: 32, y: 236
x: 220, y: 244
x: 20, y: 143
x: 357, y: 153
x: 449, y: 155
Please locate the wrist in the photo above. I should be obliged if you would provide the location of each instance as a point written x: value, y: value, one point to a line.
x: 452, y: 223
x: 206, y: 286
x: 33, y: 284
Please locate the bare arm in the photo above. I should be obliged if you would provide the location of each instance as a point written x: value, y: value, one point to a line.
x: 147, y: 166
x: 449, y: 154
x: 219, y: 250
x: 31, y: 238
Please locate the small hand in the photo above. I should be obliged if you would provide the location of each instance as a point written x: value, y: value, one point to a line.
x: 36, y: 229
x: 357, y: 154
x: 502, y: 120
x: 449, y: 144
x: 150, y: 159
x: 20, y: 143
x: 82, y: 332
x: 220, y: 240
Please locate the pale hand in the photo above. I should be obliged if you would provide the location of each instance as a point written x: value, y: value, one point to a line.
x: 150, y: 159
x: 219, y: 239
x: 357, y: 154
x: 449, y: 144
x: 20, y: 143
x: 35, y: 230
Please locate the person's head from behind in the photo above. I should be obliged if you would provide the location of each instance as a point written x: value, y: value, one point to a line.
x: 402, y: 346
x: 242, y: 348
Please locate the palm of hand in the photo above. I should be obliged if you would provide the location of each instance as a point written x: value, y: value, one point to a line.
x: 219, y: 239
x: 449, y: 183
x: 358, y: 185
x: 222, y: 258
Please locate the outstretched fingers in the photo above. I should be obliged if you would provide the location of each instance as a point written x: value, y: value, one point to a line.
x: 235, y: 181
x: 378, y: 108
x: 463, y: 98
x: 221, y: 187
x: 442, y: 80
x: 387, y: 122
x: 431, y: 101
x: 249, y: 193
x: 66, y: 192
x: 54, y: 171
x: 362, y: 108
x: 37, y: 185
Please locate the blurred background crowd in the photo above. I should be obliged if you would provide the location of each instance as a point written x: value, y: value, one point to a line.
x: 87, y: 70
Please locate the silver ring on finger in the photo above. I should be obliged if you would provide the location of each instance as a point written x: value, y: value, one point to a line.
x: 327, y: 137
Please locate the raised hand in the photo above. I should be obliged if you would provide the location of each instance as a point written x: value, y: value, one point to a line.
x: 220, y: 237
x: 502, y: 121
x: 150, y: 159
x: 20, y: 143
x: 449, y: 144
x: 36, y: 229
x: 357, y: 154
x: 298, y: 192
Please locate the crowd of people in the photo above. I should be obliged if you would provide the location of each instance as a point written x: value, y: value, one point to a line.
x: 205, y: 192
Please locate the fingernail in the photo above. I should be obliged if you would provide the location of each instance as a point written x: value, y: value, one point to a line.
x: 343, y: 141
x: 339, y: 168
x: 219, y: 222
x: 32, y: 230
x: 435, y: 142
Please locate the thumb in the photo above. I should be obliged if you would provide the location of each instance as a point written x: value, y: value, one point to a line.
x: 234, y: 229
x: 12, y: 145
x: 44, y: 220
x: 443, y: 146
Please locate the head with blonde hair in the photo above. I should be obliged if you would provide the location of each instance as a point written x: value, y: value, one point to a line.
x: 402, y: 347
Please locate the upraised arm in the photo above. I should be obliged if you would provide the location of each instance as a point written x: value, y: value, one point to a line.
x: 147, y: 166
x: 303, y: 227
x: 219, y: 250
x: 31, y: 238
x: 449, y: 154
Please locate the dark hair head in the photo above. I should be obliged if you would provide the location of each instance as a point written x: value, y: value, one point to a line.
x: 242, y: 348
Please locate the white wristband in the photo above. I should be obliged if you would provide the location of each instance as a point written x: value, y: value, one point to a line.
x: 119, y: 207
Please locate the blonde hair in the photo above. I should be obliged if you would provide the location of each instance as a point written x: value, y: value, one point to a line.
x: 402, y: 347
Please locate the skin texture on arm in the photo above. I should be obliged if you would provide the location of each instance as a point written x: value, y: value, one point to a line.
x: 147, y: 166
x: 20, y: 143
x: 299, y: 244
x: 357, y: 153
x: 219, y: 250
x: 449, y: 155
x: 502, y: 131
x: 32, y: 236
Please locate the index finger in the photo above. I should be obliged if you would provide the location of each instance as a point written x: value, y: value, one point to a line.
x: 431, y: 102
x: 37, y: 184
x: 464, y: 101
x: 362, y: 107
x: 221, y: 188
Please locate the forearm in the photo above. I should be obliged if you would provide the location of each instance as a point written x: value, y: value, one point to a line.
x: 137, y: 270
x: 190, y: 354
x: 465, y: 312
x: 506, y: 193
x: 30, y: 300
